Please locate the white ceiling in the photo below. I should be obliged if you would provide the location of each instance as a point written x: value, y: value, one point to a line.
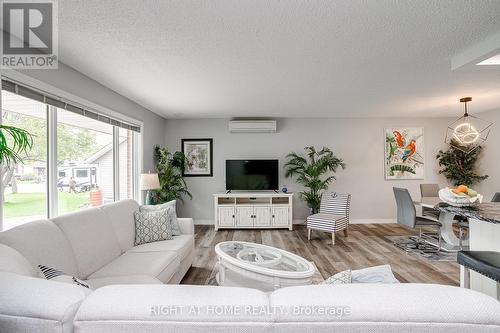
x: 230, y: 58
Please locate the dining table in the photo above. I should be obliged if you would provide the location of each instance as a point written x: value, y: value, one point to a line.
x: 450, y: 241
x: 484, y: 235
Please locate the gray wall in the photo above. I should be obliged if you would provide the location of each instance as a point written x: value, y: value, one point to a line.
x: 74, y: 82
x: 360, y: 142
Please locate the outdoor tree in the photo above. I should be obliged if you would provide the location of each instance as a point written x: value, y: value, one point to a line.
x: 73, y: 143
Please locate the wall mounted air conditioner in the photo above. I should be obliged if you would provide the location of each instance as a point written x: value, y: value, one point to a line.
x: 252, y: 126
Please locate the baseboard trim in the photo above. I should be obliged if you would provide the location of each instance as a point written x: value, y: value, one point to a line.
x: 301, y: 221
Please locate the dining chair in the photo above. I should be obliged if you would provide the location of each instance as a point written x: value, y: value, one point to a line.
x: 333, y: 215
x: 429, y: 190
x: 407, y: 215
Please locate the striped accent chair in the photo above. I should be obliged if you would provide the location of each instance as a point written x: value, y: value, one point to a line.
x: 333, y: 215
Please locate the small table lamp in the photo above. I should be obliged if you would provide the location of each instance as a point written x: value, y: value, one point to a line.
x: 149, y: 181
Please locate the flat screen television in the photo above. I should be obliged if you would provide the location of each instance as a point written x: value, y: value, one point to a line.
x: 252, y: 175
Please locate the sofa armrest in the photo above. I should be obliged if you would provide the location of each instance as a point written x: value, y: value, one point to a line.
x: 29, y: 302
x: 186, y: 224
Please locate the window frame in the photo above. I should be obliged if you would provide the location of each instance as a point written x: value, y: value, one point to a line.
x: 51, y: 118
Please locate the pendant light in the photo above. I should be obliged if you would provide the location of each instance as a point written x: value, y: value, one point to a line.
x: 467, y: 132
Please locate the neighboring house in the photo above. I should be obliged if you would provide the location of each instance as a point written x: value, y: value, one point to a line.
x: 103, y: 159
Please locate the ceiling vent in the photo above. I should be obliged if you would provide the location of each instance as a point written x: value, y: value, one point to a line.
x: 252, y: 126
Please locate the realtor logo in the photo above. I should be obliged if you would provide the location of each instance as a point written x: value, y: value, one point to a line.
x: 29, y: 34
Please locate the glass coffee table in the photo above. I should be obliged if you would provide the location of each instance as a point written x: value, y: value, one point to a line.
x: 251, y: 265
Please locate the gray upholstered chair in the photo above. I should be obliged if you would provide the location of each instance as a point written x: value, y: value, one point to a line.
x: 333, y: 215
x: 496, y: 197
x: 429, y: 190
x: 407, y: 215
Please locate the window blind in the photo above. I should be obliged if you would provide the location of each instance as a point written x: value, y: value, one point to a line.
x: 24, y: 91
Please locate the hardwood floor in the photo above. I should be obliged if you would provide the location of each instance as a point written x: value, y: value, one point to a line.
x: 366, y: 245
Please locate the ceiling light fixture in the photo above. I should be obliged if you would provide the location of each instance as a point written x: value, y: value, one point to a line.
x: 467, y: 132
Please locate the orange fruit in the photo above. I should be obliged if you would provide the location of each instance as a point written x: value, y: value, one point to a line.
x: 463, y: 189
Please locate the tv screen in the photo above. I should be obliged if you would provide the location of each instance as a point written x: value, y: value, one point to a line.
x: 252, y: 175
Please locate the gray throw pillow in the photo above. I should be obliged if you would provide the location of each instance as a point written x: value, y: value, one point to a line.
x: 176, y: 230
x: 152, y: 226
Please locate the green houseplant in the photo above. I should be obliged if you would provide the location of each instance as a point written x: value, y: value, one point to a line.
x: 169, y: 168
x: 310, y: 172
x: 459, y: 167
x: 14, y: 142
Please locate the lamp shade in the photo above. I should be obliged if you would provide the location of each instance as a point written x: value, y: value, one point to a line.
x: 150, y: 181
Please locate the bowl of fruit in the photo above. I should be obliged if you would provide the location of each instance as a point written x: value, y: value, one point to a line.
x: 460, y: 196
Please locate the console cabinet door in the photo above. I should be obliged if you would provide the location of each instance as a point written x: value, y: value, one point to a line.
x: 262, y: 216
x: 280, y: 216
x: 226, y: 216
x: 244, y: 216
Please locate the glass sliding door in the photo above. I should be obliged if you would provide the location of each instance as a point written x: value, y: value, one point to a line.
x: 24, y: 185
x: 84, y: 162
x: 127, y: 163
x: 93, y: 158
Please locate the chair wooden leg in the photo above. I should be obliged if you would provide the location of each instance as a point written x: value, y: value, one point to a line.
x: 333, y: 238
x: 308, y: 234
x: 345, y: 232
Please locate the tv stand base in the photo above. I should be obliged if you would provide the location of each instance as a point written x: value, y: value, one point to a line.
x: 253, y: 210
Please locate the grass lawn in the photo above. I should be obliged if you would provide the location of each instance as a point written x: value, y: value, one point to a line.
x: 28, y: 204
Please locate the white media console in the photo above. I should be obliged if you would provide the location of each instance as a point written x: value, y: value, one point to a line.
x: 253, y: 210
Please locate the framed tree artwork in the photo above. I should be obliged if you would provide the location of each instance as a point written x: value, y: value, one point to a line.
x: 404, y: 153
x: 199, y: 157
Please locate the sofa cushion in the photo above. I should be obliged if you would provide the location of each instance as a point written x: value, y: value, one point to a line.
x: 92, y: 238
x: 109, y: 309
x: 121, y: 215
x: 182, y: 245
x: 14, y: 262
x: 129, y: 279
x: 161, y: 265
x: 31, y: 304
x: 42, y: 242
x: 403, y: 305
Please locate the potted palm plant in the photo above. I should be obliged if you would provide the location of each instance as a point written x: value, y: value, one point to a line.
x: 169, y: 168
x: 14, y: 142
x: 310, y: 172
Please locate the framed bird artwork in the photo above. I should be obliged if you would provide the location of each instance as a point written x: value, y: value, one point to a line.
x: 404, y: 153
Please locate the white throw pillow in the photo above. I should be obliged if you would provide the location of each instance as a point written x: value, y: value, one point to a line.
x: 176, y: 229
x: 376, y: 274
x: 152, y: 226
x: 339, y: 278
x: 12, y: 261
x: 56, y: 275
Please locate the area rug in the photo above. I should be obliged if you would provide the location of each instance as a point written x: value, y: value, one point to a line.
x: 409, y: 245
x: 316, y: 279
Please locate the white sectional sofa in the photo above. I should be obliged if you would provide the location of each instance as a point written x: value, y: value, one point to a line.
x: 129, y: 295
x: 97, y: 245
